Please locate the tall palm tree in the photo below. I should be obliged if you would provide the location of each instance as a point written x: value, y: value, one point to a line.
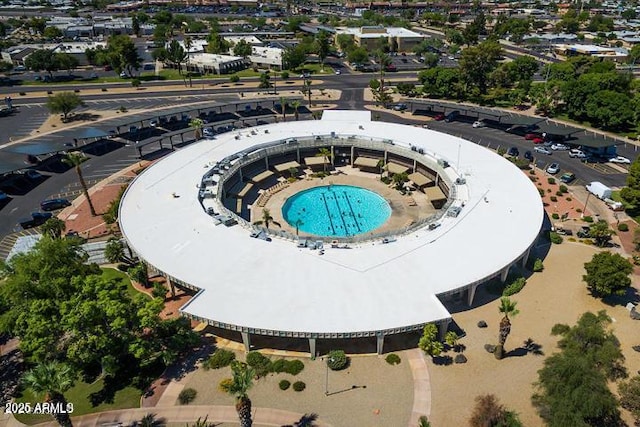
x: 187, y: 44
x: 267, y: 219
x: 380, y: 166
x: 75, y: 159
x: 238, y: 386
x: 52, y: 380
x: 54, y: 227
x: 325, y: 153
x: 508, y: 308
x: 295, y: 104
x: 283, y: 107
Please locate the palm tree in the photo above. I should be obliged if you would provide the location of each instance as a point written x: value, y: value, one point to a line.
x: 267, y: 219
x: 150, y: 420
x: 325, y: 153
x: 380, y: 165
x: 197, y: 124
x: 283, y: 107
x: 187, y: 44
x: 52, y: 380
x: 423, y: 421
x: 75, y: 159
x: 307, y: 420
x: 54, y: 227
x: 238, y: 386
x: 295, y: 104
x: 508, y: 308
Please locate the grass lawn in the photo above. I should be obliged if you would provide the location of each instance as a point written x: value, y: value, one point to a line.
x: 112, y: 273
x: 79, y: 395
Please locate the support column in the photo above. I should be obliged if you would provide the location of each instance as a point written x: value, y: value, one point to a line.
x: 266, y: 162
x: 352, y: 153
x: 380, y: 342
x: 298, y: 154
x: 172, y: 286
x: 240, y: 173
x: 415, y: 164
x: 312, y: 348
x: 471, y: 292
x: 246, y: 340
x: 182, y: 137
x: 525, y: 257
x: 333, y: 156
x: 385, y: 157
x: 504, y: 273
x: 442, y: 328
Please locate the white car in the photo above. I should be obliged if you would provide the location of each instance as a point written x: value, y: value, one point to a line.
x: 553, y: 168
x: 154, y: 123
x: 620, y: 159
x: 542, y: 150
x: 559, y: 147
x: 577, y: 153
x: 338, y: 72
x: 479, y: 124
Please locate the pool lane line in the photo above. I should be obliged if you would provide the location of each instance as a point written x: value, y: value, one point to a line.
x: 344, y: 223
x: 353, y: 214
x: 326, y: 206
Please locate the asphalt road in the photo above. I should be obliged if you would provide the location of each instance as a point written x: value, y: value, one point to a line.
x: 99, y: 167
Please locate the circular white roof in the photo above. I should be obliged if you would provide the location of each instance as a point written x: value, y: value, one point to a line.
x: 251, y: 283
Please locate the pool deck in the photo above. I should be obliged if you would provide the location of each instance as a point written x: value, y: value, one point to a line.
x: 402, y: 212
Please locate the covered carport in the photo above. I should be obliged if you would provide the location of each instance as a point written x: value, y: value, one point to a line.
x: 425, y: 107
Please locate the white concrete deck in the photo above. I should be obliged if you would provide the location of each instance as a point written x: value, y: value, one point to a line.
x: 374, y: 287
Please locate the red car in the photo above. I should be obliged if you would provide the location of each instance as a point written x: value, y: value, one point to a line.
x: 538, y: 140
x: 532, y: 136
x: 439, y: 117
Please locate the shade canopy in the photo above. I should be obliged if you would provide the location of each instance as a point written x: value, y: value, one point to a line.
x: 366, y: 162
x: 245, y: 190
x: 39, y: 148
x: 286, y: 166
x: 11, y: 162
x: 419, y: 179
x: 91, y: 133
x: 262, y: 176
x: 314, y: 161
x: 396, y: 168
x: 435, y: 194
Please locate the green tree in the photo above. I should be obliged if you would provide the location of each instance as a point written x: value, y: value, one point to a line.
x: 476, y: 63
x: 51, y: 380
x: 601, y: 233
x: 267, y: 219
x: 42, y: 60
x: 283, y: 106
x: 322, y: 46
x: 135, y: 25
x: 630, y: 397
x: 64, y: 103
x: 65, y: 61
x: 5, y: 66
x: 572, y: 386
x: 607, y: 274
x: 176, y: 55
x: 326, y: 155
x: 631, y: 193
x: 488, y: 412
x: 429, y: 342
x: 242, y: 48
x: 75, y: 159
x: 114, y: 250
x: 54, y: 227
x: 196, y: 123
x: 293, y: 57
x: 238, y: 386
x: 139, y: 274
x: 265, y: 81
x: 359, y: 55
x: 295, y: 104
x: 122, y: 54
x: 508, y: 308
x: 216, y: 43
x: 345, y: 42
x: 51, y: 33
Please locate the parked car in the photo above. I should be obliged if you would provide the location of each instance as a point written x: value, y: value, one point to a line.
x: 567, y: 177
x: 578, y: 154
x: 532, y: 136
x: 559, y: 147
x: 583, y: 233
x: 527, y: 155
x: 3, y: 196
x: 538, y: 141
x: 479, y: 124
x: 208, y: 132
x: 37, y: 218
x: 33, y: 175
x: 620, y: 159
x: 20, y: 68
x: 542, y: 150
x: 154, y: 123
x: 400, y: 107
x: 553, y: 168
x: 54, y: 204
x: 513, y: 152
x: 123, y: 75
x: 133, y: 129
x: 452, y: 116
x: 439, y: 117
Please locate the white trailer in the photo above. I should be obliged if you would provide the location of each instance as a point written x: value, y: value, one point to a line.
x: 599, y: 190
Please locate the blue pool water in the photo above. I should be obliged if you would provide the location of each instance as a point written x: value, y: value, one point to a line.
x: 336, y: 210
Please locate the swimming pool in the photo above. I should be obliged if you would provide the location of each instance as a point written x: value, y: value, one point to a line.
x: 336, y: 210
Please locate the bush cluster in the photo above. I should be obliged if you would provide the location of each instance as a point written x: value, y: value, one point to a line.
x: 284, y: 385
x: 392, y: 359
x: 555, y: 238
x: 293, y: 367
x: 219, y: 359
x: 337, y: 360
x: 554, y: 199
x: 263, y: 365
x: 537, y: 265
x: 551, y: 180
x: 563, y: 188
x: 299, y: 386
x: 587, y: 219
x: 514, y: 287
x: 623, y: 227
x: 187, y: 396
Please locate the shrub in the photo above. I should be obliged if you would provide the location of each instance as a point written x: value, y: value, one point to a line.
x: 386, y: 180
x: 559, y: 193
x: 579, y: 210
x: 532, y: 172
x: 551, y: 180
x: 234, y: 78
x: 293, y: 367
x: 299, y: 386
x: 537, y: 265
x: 187, y: 395
x: 553, y: 198
x: 337, y: 360
x: 623, y: 227
x: 514, y: 287
x: 541, y: 191
x: 587, y: 219
x: 554, y: 215
x: 284, y: 385
x: 568, y: 199
x: 392, y: 359
x: 548, y: 190
x: 159, y: 291
x: 555, y: 238
x: 563, y: 188
x: 284, y: 75
x: 259, y: 362
x: 219, y: 359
